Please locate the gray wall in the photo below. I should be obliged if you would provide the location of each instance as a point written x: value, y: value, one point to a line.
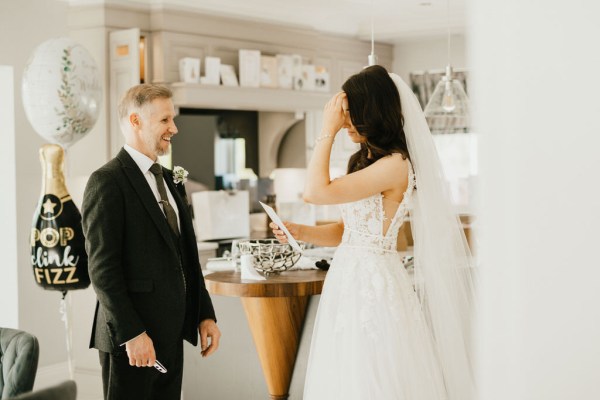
x: 429, y: 54
x: 194, y: 147
x: 292, y: 150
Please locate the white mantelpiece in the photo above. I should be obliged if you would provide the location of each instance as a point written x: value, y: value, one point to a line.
x: 193, y: 95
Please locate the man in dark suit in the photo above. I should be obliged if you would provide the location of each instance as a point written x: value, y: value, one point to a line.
x: 143, y: 258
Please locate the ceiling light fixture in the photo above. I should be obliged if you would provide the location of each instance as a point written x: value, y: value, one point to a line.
x: 448, y: 108
x: 372, y: 58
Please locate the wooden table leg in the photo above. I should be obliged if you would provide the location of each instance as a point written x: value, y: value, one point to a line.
x: 276, y: 325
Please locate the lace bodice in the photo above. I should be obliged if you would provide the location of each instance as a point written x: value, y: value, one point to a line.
x: 364, y: 220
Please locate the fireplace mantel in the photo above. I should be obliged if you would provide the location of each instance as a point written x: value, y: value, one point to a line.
x: 193, y: 95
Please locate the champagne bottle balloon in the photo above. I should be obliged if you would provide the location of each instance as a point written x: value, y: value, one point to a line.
x: 58, y: 254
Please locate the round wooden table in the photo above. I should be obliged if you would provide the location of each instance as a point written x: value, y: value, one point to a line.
x: 275, y: 309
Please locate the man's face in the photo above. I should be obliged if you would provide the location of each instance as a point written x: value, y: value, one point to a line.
x: 156, y: 127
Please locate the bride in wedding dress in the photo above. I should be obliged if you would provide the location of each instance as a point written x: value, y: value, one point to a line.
x: 381, y: 333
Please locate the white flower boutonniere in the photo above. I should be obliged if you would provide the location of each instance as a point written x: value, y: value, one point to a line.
x: 179, y: 175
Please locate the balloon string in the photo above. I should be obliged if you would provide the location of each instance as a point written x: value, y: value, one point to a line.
x: 65, y: 311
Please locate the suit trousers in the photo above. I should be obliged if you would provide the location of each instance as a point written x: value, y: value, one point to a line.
x: 121, y: 381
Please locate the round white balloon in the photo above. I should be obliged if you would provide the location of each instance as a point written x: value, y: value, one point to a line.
x: 62, y: 91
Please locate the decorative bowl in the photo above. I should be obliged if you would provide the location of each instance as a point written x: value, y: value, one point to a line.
x: 270, y: 256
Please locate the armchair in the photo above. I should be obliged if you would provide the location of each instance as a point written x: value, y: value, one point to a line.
x: 19, y: 352
x: 63, y: 391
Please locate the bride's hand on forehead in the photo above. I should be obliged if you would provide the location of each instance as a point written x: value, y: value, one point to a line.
x: 344, y: 103
x: 334, y: 113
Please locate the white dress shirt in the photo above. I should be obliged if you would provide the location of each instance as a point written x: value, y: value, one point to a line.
x: 144, y: 163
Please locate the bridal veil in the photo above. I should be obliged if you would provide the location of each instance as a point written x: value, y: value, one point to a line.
x: 443, y: 262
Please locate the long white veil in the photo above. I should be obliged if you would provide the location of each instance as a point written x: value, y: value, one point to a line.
x: 443, y: 262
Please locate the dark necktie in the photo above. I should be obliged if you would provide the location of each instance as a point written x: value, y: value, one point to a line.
x: 170, y: 213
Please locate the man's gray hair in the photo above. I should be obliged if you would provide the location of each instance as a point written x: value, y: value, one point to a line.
x: 139, y: 95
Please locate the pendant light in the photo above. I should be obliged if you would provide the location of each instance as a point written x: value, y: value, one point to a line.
x: 372, y: 58
x: 448, y: 108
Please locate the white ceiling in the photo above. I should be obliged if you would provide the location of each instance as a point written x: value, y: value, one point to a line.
x: 394, y: 20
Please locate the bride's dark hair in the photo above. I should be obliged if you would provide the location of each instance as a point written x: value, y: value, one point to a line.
x: 375, y: 111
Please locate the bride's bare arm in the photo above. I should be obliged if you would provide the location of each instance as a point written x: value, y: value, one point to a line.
x: 328, y: 235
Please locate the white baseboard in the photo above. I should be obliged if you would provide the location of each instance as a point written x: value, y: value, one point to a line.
x: 51, y: 375
x: 89, y: 381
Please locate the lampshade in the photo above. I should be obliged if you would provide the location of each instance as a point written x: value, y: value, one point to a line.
x: 448, y: 108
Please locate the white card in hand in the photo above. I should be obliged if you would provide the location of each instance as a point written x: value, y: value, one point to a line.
x: 247, y: 268
x: 281, y: 226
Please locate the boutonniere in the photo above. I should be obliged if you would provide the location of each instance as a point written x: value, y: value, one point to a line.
x: 179, y: 175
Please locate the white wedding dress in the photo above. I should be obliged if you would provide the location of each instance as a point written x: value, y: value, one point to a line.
x: 370, y: 339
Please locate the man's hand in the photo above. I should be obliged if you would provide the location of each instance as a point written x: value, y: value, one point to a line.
x: 209, y: 329
x: 140, y: 351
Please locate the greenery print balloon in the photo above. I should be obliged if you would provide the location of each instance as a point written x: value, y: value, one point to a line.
x: 62, y: 91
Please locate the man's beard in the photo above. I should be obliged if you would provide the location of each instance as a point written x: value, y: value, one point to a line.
x: 162, y: 152
x: 156, y: 145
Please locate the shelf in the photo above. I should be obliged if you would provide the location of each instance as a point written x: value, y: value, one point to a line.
x: 194, y: 95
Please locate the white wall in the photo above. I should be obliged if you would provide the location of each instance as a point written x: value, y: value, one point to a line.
x: 25, y: 24
x: 536, y: 96
x: 9, y: 294
x: 429, y: 54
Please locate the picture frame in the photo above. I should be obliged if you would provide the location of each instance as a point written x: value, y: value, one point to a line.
x: 306, y: 81
x: 228, y: 76
x: 268, y: 72
x: 213, y: 71
x: 189, y: 70
x: 249, y: 67
x: 321, y: 79
x: 285, y: 71
x: 297, y: 71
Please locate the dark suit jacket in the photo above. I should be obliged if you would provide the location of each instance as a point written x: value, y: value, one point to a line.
x: 134, y: 262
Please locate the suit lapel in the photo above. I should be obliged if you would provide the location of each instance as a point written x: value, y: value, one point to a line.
x: 182, y: 206
x: 141, y: 187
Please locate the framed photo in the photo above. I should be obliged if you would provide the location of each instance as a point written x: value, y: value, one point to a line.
x: 306, y: 81
x: 189, y: 70
x: 321, y: 79
x: 285, y: 71
x: 213, y: 71
x: 228, y: 76
x: 268, y: 72
x: 297, y: 71
x: 249, y: 68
